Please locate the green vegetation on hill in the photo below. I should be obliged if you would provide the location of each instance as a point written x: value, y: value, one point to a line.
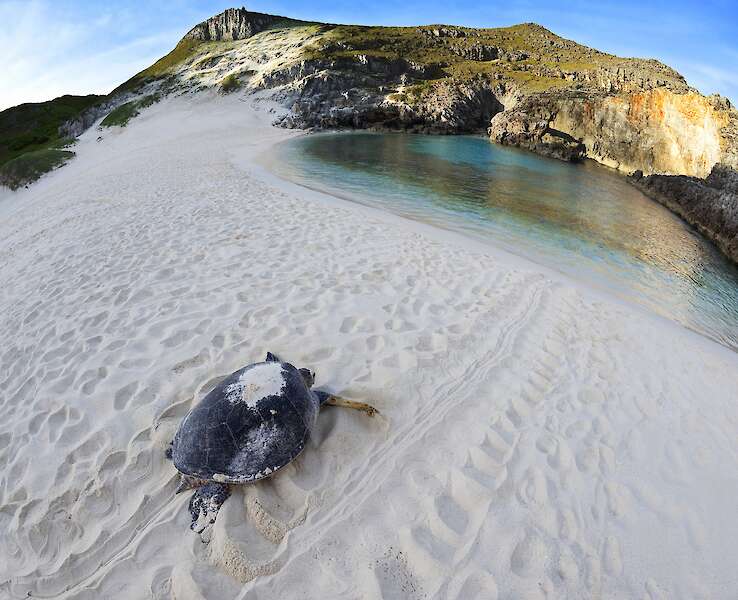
x: 31, y: 127
x: 29, y: 134
x: 125, y: 112
x: 229, y: 84
x: 531, y: 55
x: 184, y: 50
x: 28, y: 167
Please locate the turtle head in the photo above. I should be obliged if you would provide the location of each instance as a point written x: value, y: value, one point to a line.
x: 308, y: 376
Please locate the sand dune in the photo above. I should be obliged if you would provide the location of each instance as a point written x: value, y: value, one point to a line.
x: 537, y: 440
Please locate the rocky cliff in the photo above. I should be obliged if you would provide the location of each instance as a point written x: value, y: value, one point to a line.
x: 653, y: 130
x: 231, y: 25
x: 709, y: 204
x: 523, y: 85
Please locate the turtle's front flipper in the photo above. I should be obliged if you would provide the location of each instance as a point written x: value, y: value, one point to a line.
x: 205, y: 504
x: 330, y: 399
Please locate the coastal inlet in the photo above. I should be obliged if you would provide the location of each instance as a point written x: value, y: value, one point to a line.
x: 583, y: 220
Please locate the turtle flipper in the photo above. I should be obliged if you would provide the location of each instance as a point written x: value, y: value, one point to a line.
x: 205, y: 504
x: 272, y: 358
x: 331, y: 400
x: 187, y: 482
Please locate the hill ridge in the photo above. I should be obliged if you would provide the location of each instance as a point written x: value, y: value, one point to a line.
x: 524, y: 85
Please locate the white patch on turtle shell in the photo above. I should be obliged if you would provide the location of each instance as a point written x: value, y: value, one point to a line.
x: 259, y: 445
x: 256, y: 383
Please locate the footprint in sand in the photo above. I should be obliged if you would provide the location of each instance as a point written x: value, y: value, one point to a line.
x: 530, y: 556
x: 396, y: 579
x: 123, y: 396
x: 451, y: 514
x: 475, y: 585
x: 93, y: 379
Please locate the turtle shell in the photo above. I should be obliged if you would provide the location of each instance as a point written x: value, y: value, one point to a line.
x: 254, y: 422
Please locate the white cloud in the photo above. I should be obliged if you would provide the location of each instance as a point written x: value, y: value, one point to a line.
x: 48, y: 53
x: 711, y: 79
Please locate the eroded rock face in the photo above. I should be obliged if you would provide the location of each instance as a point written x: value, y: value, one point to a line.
x: 232, y: 24
x: 82, y: 122
x: 655, y: 131
x: 479, y: 52
x: 353, y: 92
x: 710, y: 204
x: 629, y: 114
x: 723, y: 177
x: 528, y: 125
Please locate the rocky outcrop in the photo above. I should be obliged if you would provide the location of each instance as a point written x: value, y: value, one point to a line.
x: 528, y: 126
x: 723, y: 177
x: 478, y: 52
x: 636, y: 75
x: 460, y: 107
x: 441, y: 31
x: 523, y: 85
x: 83, y: 121
x: 350, y: 92
x: 232, y: 24
x: 654, y: 131
x: 710, y: 204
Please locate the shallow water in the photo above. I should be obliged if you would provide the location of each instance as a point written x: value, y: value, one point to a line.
x: 583, y: 220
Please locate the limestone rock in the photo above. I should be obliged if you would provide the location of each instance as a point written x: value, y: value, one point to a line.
x: 655, y: 131
x: 531, y: 129
x: 232, y: 24
x: 710, y: 205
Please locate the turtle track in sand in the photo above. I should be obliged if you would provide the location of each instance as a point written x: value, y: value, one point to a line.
x: 523, y: 445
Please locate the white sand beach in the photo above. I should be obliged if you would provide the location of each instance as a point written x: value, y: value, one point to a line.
x: 536, y: 439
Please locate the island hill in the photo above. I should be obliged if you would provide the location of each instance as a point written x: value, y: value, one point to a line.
x: 523, y: 86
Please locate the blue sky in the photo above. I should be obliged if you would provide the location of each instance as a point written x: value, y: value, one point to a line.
x: 84, y: 46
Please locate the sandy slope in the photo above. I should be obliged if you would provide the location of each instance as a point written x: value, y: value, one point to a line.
x: 537, y: 439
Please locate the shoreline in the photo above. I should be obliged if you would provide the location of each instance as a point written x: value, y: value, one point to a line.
x: 703, y: 207
x: 266, y: 169
x: 536, y: 435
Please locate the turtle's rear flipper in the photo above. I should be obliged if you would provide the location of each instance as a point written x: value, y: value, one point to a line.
x: 205, y: 504
x: 270, y: 357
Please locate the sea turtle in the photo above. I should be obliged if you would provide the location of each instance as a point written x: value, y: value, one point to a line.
x: 256, y: 421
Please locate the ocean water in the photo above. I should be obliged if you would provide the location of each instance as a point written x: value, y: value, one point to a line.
x: 583, y: 220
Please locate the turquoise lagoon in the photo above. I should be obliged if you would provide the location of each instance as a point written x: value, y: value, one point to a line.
x: 583, y: 220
